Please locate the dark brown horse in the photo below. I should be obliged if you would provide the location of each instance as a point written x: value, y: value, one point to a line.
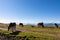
x: 40, y: 24
x: 21, y: 24
x: 12, y: 26
x: 56, y: 25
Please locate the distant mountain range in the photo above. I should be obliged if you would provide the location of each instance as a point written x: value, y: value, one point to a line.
x: 51, y: 24
x: 46, y: 24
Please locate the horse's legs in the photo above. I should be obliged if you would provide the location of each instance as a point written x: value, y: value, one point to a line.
x: 8, y: 28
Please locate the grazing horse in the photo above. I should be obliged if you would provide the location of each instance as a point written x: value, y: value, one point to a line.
x: 40, y: 24
x: 32, y: 26
x: 12, y: 27
x: 56, y: 25
x: 21, y: 24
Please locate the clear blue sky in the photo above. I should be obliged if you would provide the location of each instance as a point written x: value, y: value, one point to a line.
x: 29, y: 11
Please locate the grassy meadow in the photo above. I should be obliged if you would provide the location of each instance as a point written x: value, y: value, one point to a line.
x: 32, y: 33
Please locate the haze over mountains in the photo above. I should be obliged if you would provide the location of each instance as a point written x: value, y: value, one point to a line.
x: 45, y: 24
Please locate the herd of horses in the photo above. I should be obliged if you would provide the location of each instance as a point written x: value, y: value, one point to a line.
x: 12, y: 26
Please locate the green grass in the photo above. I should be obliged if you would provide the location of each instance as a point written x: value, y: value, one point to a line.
x: 31, y: 35
x: 38, y: 36
x: 5, y: 31
x: 47, y: 33
x: 3, y: 25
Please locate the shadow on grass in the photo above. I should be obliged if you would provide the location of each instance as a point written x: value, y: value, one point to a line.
x: 15, y: 33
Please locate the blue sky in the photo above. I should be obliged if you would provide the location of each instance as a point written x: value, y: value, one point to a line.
x: 30, y: 11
